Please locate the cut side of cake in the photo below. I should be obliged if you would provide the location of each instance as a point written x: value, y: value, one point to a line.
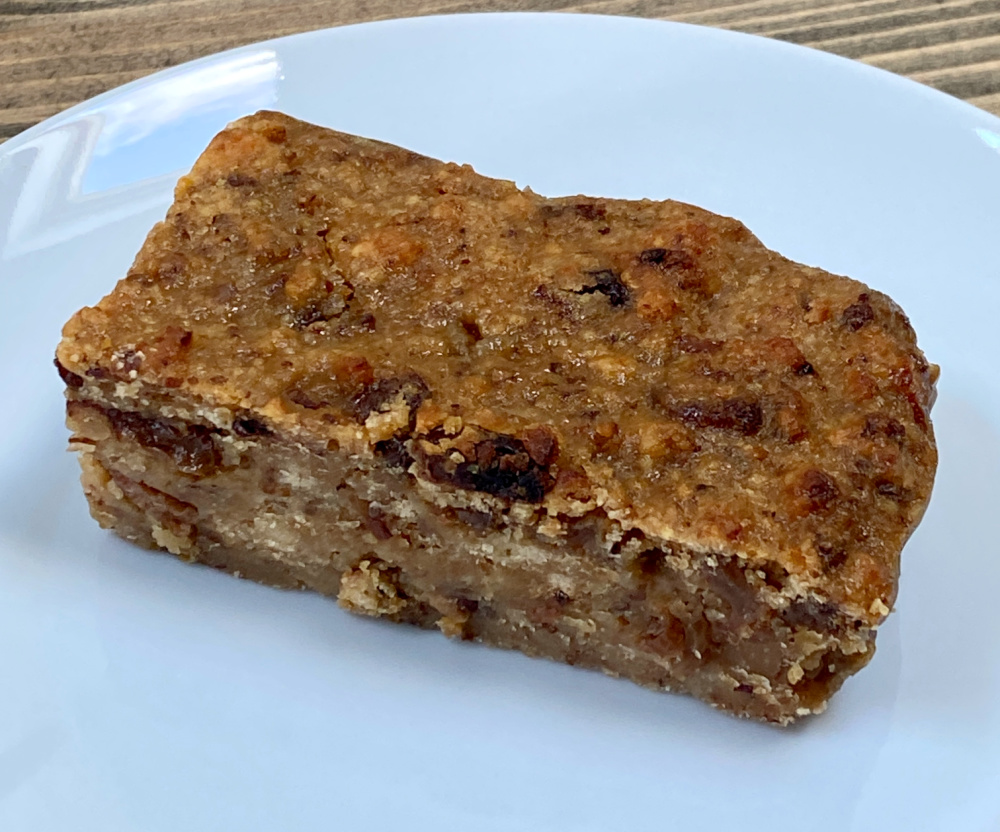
x: 623, y: 435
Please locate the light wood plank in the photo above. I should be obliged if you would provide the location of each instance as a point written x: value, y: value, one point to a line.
x: 939, y: 56
x: 990, y: 103
x: 13, y: 121
x: 973, y: 81
x: 913, y: 37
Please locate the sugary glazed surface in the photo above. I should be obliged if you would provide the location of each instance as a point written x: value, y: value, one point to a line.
x: 698, y: 385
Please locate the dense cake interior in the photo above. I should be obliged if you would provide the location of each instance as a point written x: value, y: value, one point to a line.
x: 365, y: 531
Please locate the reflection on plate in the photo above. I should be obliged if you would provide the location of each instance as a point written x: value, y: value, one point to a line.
x: 141, y: 693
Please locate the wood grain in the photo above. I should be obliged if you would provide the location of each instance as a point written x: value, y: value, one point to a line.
x: 55, y: 53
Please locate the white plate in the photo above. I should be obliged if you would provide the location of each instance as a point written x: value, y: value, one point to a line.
x: 139, y: 693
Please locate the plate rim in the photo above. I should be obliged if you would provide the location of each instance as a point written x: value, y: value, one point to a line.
x: 946, y: 110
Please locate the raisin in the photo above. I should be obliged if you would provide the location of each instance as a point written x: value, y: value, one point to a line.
x: 650, y: 561
x: 275, y: 133
x: 394, y: 452
x: 811, y: 613
x: 192, y: 447
x: 239, y: 180
x: 375, y: 523
x: 744, y: 688
x: 561, y: 598
x: 667, y: 258
x: 383, y: 392
x: 609, y: 284
x: 472, y: 329
x: 70, y: 379
x: 695, y: 282
x: 804, y: 369
x: 858, y: 314
x: 819, y: 489
x: 832, y: 556
x: 250, y: 427
x: 501, y: 466
x: 676, y: 259
x: 541, y: 444
x: 743, y: 416
x: 892, y: 490
x: 903, y: 378
x: 878, y: 424
x: 467, y: 605
x: 306, y: 399
x: 589, y: 211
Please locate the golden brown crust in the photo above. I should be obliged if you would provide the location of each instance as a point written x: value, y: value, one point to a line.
x: 646, y: 360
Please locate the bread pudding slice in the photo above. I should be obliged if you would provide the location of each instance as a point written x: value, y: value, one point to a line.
x: 619, y: 434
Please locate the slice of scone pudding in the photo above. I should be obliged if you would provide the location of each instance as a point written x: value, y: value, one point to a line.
x: 623, y: 435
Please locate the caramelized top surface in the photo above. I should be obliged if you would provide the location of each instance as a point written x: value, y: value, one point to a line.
x: 650, y: 358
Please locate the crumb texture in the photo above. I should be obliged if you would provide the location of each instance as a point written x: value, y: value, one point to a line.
x: 621, y: 434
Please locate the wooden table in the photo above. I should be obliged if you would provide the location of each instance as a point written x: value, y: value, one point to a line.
x: 55, y: 53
